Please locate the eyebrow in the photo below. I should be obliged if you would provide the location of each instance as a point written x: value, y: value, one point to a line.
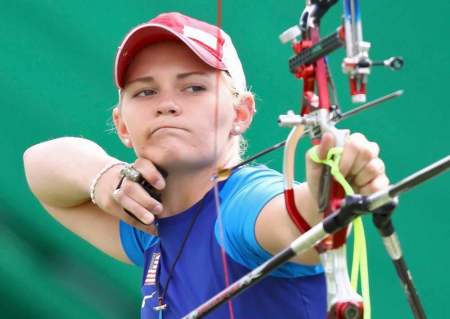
x: 151, y: 79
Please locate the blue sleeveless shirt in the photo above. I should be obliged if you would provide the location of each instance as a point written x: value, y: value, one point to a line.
x: 292, y: 291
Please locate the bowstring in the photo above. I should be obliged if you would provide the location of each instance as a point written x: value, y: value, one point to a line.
x: 216, y: 153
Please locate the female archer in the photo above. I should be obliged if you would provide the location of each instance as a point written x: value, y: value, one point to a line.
x: 183, y: 106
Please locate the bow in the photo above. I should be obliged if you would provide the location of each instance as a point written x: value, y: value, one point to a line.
x: 318, y: 114
x: 310, y: 65
x: 318, y: 111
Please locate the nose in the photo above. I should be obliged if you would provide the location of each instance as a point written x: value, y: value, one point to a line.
x: 168, y: 107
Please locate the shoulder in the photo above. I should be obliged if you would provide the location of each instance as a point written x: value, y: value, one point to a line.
x: 249, y: 177
x: 247, y: 191
x: 250, y: 173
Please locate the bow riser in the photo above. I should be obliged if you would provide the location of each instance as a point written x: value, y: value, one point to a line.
x: 310, y: 65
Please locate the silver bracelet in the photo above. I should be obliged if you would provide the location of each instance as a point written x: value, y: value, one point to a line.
x: 97, y: 178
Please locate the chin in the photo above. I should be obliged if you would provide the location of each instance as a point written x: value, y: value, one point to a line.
x: 179, y: 158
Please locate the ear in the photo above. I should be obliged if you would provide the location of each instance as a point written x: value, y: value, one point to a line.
x: 121, y: 128
x: 244, y: 110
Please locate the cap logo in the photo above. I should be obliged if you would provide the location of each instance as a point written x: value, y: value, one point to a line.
x: 201, y: 36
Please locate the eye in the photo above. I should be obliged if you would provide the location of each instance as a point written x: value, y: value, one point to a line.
x: 195, y: 88
x: 145, y: 92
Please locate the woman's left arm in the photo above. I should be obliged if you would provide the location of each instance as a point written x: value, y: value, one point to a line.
x: 360, y: 164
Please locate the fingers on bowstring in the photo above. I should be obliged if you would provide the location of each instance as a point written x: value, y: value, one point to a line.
x: 132, y: 207
x: 150, y: 173
x: 140, y: 209
x: 137, y: 193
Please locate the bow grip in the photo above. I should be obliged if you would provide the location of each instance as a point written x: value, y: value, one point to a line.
x: 326, y: 179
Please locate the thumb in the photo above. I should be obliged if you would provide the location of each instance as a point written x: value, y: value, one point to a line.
x: 327, y: 142
x: 319, y: 152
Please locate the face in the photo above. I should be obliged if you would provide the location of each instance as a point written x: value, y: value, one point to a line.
x: 175, y: 109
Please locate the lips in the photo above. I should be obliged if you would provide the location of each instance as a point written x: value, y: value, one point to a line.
x: 163, y: 127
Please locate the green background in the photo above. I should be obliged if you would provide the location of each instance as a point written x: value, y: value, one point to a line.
x: 56, y: 80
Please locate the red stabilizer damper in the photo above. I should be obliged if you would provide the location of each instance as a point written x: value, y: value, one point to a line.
x: 355, y: 89
x: 347, y: 310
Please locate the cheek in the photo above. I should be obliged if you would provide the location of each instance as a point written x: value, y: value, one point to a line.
x: 212, y: 117
x: 137, y: 134
x: 136, y: 123
x: 226, y: 111
x: 214, y: 126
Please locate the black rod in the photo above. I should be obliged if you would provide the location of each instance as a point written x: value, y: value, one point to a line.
x: 382, y: 220
x: 420, y: 176
x: 363, y: 107
x: 388, y: 195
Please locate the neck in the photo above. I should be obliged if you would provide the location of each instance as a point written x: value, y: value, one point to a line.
x: 184, y: 188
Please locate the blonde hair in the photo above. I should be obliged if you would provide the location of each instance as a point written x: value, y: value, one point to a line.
x: 240, y: 146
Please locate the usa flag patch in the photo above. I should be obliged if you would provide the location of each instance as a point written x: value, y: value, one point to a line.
x: 150, y: 279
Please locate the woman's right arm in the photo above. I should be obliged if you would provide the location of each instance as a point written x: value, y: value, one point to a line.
x: 60, y: 172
